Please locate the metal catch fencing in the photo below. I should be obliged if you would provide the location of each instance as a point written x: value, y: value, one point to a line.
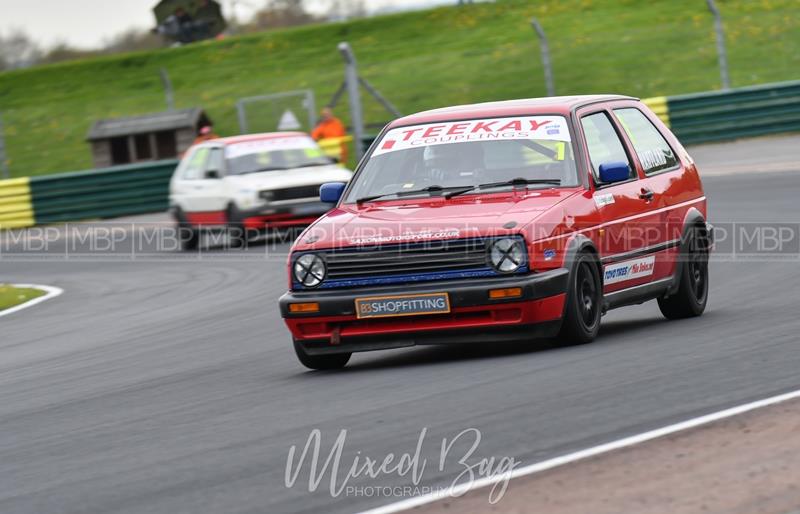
x: 277, y: 112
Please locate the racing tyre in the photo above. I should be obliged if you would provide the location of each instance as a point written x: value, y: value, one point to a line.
x: 692, y: 295
x: 237, y: 236
x: 584, y: 303
x: 332, y: 361
x: 237, y: 233
x: 188, y: 236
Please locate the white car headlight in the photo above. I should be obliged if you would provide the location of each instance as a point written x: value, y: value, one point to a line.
x: 507, y: 255
x: 310, y: 270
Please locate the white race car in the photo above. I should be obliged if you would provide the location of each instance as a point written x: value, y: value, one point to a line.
x: 246, y: 184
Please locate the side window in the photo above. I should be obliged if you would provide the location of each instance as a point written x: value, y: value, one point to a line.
x: 653, y: 150
x: 603, y: 142
x: 215, y: 161
x: 194, y: 164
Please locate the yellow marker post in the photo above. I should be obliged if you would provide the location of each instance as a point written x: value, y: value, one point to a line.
x: 16, y: 205
x: 660, y: 106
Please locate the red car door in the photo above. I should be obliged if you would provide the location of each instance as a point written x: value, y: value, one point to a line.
x: 629, y: 238
x: 664, y: 175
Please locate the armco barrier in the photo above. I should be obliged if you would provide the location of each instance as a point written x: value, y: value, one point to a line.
x: 103, y: 193
x: 750, y: 111
x: 720, y: 115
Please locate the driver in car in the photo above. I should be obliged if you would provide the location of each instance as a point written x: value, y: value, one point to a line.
x: 457, y: 164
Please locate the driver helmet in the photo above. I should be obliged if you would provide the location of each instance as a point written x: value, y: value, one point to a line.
x: 453, y: 160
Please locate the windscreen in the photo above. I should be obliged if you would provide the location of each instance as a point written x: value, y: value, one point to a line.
x: 274, y: 154
x: 452, y: 155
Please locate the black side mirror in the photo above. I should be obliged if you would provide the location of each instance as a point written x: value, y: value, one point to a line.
x: 212, y: 174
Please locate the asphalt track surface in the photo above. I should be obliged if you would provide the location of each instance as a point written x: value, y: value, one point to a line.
x: 165, y: 384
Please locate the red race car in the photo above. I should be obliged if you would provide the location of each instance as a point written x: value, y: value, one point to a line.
x: 501, y: 221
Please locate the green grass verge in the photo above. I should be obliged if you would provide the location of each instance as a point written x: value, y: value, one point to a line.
x: 418, y: 60
x: 11, y: 296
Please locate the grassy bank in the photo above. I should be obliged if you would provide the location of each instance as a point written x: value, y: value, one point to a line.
x: 418, y: 60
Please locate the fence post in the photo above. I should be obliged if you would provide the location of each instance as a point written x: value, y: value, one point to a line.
x: 3, y: 165
x: 545, y: 46
x: 379, y: 97
x: 721, y: 51
x: 168, y: 91
x: 351, y: 79
x: 311, y: 105
x: 242, y: 116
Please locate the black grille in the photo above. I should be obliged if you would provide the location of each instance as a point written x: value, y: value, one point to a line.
x: 292, y: 193
x: 435, y: 256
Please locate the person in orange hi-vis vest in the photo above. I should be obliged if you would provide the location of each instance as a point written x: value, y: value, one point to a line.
x: 328, y: 127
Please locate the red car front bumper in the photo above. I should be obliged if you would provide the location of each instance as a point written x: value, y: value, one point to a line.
x: 474, y: 317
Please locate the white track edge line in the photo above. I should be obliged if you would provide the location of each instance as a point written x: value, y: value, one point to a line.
x: 582, y: 454
x: 50, y: 292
